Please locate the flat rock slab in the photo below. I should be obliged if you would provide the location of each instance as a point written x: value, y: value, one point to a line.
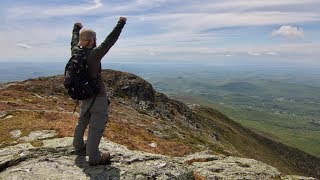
x: 15, y: 134
x: 293, y: 177
x: 56, y: 160
x: 235, y: 168
x: 39, y: 135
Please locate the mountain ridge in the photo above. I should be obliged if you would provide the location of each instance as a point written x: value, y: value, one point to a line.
x: 146, y: 116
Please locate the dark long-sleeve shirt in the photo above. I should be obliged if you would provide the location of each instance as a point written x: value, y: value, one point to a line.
x: 96, y: 54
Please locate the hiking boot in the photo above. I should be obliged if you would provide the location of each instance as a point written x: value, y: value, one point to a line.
x: 104, y: 160
x: 80, y: 152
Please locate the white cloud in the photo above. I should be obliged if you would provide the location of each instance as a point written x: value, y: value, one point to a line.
x: 150, y: 3
x: 93, y: 7
x: 271, y: 53
x: 254, y: 53
x: 25, y: 46
x: 288, y: 31
x: 204, y: 21
x: 30, y: 12
x: 242, y: 5
x: 275, y: 50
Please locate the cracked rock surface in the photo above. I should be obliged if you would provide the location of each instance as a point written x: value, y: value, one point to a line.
x: 56, y: 160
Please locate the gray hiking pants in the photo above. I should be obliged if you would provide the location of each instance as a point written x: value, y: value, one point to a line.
x: 96, y: 118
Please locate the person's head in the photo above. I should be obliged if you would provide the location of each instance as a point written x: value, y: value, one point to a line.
x: 87, y: 38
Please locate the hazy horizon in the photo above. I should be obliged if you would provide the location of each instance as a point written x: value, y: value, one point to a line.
x: 11, y: 71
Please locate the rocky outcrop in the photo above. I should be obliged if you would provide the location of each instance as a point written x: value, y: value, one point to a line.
x: 56, y: 160
x: 138, y: 93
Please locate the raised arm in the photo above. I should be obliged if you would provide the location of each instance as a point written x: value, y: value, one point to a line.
x: 110, y: 40
x: 75, y: 35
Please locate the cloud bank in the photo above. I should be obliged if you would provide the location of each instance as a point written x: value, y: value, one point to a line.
x: 288, y: 31
x: 163, y: 29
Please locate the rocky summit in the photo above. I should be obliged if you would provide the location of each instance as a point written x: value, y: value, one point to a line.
x: 149, y: 135
x: 56, y: 160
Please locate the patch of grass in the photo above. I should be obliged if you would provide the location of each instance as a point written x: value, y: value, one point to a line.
x: 120, y: 94
x: 303, y: 139
x: 27, y: 100
x: 33, y: 121
x: 137, y: 138
x: 36, y: 143
x: 197, y: 176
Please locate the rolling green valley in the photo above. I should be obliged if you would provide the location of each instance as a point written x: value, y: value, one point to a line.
x: 278, y: 105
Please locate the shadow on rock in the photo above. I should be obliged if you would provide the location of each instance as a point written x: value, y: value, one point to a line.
x: 107, y: 172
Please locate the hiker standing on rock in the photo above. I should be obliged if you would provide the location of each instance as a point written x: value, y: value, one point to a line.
x: 93, y: 110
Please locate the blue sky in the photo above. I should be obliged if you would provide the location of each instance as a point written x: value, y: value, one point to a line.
x: 166, y: 30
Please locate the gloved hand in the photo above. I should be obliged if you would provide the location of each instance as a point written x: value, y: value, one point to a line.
x: 78, y: 24
x: 123, y: 19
